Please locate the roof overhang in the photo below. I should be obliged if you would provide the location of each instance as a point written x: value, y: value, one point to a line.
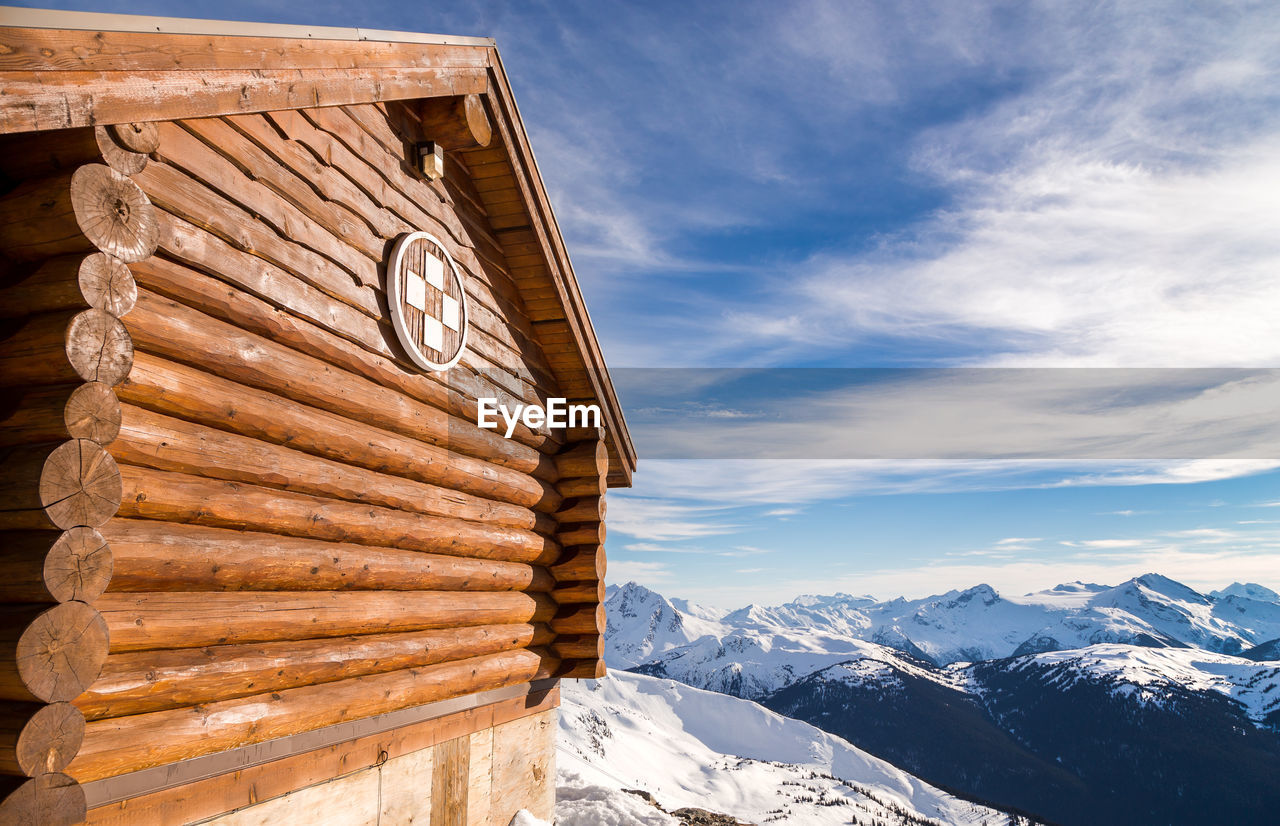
x: 61, y: 70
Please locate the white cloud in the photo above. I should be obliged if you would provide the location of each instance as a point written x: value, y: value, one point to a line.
x: 664, y: 520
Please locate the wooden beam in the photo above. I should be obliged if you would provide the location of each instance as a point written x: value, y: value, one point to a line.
x: 455, y: 123
x: 64, y: 100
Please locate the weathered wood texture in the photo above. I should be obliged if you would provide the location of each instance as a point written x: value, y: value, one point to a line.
x: 91, y: 208
x: 37, y: 739
x: 51, y: 566
x: 51, y: 799
x: 74, y: 282
x: 50, y: 654
x: 46, y: 486
x: 58, y: 413
x: 65, y: 347
x: 168, y: 556
x: 402, y: 756
x: 118, y: 745
x: 579, y: 623
x: 297, y: 527
x: 455, y: 123
x: 145, y: 681
x: 123, y: 147
x: 140, y: 622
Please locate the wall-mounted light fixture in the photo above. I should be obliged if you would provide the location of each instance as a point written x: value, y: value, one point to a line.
x: 430, y: 159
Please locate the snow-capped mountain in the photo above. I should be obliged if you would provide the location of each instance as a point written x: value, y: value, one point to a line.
x: 691, y: 748
x: 1083, y: 703
x: 1248, y: 590
x: 1104, y: 734
x: 756, y: 650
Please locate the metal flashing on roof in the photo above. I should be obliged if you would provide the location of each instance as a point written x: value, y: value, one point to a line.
x: 97, y: 21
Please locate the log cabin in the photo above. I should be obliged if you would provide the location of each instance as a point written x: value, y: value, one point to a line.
x: 261, y: 564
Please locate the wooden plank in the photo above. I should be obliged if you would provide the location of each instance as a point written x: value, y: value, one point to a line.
x: 74, y: 50
x: 523, y: 770
x: 351, y: 800
x: 450, y: 772
x: 479, y: 778
x: 36, y: 100
x: 211, y: 796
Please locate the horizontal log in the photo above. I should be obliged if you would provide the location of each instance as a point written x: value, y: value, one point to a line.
x: 588, y: 669
x: 582, y: 509
x: 183, y: 150
x: 197, y: 396
x: 583, y: 533
x: 36, y: 739
x: 584, y: 434
x: 139, y: 622
x: 589, y: 459
x: 90, y: 208
x: 170, y: 556
x: 580, y: 647
x: 58, y: 486
x: 119, y: 745
x: 55, y: 414
x: 162, y: 442
x: 166, y: 328
x: 455, y: 122
x: 72, y: 282
x: 582, y: 562
x: 65, y: 347
x: 178, y: 497
x: 579, y: 619
x: 50, y: 654
x: 61, y: 100
x: 52, y: 799
x: 584, y: 486
x: 145, y: 681
x: 51, y: 566
x: 270, y: 302
x: 571, y: 593
x: 71, y: 50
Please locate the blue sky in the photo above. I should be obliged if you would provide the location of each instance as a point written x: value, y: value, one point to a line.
x: 810, y: 184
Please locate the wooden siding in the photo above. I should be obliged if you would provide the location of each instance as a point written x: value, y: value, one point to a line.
x: 302, y: 528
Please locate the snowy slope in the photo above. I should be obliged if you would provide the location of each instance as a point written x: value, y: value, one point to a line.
x: 689, y: 747
x: 1152, y: 675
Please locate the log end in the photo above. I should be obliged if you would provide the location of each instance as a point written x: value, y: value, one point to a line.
x: 48, y: 800
x: 78, y: 566
x: 62, y: 651
x: 106, y: 283
x: 80, y: 485
x: 99, y: 347
x: 114, y: 213
x: 92, y: 412
x: 136, y: 137
x: 50, y: 739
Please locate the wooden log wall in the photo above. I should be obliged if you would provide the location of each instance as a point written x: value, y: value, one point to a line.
x: 246, y: 511
x: 71, y: 221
